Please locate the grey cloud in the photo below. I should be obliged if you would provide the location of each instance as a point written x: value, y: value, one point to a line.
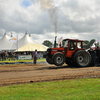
x: 42, y: 23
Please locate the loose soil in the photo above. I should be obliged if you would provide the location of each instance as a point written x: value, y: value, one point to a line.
x: 29, y: 73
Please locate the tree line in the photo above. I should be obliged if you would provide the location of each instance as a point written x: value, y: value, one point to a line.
x: 87, y: 44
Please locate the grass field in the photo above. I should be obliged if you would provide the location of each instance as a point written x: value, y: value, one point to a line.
x: 80, y: 89
x: 39, y: 60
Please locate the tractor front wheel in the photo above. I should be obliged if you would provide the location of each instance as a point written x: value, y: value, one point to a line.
x: 49, y: 60
x: 58, y: 59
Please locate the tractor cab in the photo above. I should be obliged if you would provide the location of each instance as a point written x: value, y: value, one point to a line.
x: 71, y: 46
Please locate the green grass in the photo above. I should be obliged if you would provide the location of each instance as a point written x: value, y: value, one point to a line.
x: 39, y: 60
x: 80, y: 89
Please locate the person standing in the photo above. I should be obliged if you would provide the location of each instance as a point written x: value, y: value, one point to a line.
x: 98, y: 55
x: 3, y: 55
x: 93, y: 55
x: 35, y: 56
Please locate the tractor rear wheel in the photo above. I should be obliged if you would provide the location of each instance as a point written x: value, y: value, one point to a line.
x: 58, y: 59
x: 82, y: 58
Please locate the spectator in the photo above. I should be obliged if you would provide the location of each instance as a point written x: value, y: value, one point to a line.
x: 35, y: 56
x: 27, y: 53
x: 24, y: 53
x: 12, y: 56
x: 97, y: 55
x: 3, y: 55
x: 93, y: 55
x: 0, y: 56
x: 6, y: 54
x: 17, y: 56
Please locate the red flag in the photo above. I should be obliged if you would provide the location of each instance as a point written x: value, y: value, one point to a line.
x: 59, y: 41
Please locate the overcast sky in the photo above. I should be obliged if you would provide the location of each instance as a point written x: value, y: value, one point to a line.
x: 79, y: 19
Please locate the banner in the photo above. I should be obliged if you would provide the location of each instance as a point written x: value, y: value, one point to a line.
x: 14, y: 39
x: 96, y: 41
x: 25, y: 57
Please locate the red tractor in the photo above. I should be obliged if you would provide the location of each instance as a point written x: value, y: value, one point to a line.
x: 71, y: 53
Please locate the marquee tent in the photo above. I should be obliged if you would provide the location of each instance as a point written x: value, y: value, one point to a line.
x: 5, y: 44
x: 32, y: 47
x: 26, y: 43
x: 26, y: 39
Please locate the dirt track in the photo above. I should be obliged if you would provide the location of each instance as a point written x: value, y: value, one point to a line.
x: 29, y: 73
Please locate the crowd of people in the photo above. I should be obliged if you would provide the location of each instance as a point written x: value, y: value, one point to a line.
x: 95, y: 54
x: 4, y: 55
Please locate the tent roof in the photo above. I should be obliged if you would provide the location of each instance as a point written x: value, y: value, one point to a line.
x: 26, y: 39
x: 32, y: 47
x: 5, y: 44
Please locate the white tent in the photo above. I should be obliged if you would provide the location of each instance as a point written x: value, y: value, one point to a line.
x: 5, y: 44
x: 32, y: 47
x: 26, y: 39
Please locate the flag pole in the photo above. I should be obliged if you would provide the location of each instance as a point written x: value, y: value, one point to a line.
x: 17, y: 47
x: 17, y: 42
